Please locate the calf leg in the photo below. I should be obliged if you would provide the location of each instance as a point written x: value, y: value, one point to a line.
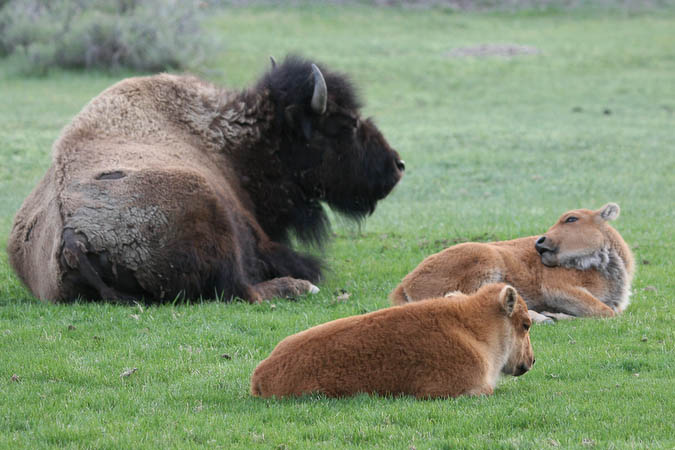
x: 576, y: 302
x: 446, y: 389
x: 466, y: 379
x: 540, y: 318
x: 557, y: 316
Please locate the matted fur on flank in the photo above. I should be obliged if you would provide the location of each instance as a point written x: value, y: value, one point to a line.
x: 580, y: 267
x: 167, y: 186
x: 444, y: 347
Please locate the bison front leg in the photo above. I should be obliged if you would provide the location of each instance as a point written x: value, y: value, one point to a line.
x: 286, y: 273
x: 283, y: 287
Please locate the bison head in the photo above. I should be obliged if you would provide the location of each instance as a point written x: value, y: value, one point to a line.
x: 334, y: 154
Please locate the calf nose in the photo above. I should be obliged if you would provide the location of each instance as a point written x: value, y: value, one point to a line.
x: 400, y: 164
x: 539, y: 245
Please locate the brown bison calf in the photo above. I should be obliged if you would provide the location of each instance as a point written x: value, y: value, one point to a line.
x: 438, y: 348
x: 587, y: 268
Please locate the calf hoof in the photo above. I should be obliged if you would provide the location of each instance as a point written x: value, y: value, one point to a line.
x: 540, y: 318
x: 558, y: 316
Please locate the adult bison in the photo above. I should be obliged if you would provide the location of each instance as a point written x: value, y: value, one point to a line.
x: 168, y: 186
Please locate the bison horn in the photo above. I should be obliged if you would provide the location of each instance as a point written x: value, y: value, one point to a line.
x: 320, y: 95
x: 274, y: 62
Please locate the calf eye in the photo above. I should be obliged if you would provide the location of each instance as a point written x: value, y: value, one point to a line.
x: 571, y: 219
x: 526, y: 326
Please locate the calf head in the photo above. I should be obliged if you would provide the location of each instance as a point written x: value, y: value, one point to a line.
x: 521, y: 356
x: 335, y: 155
x: 578, y: 239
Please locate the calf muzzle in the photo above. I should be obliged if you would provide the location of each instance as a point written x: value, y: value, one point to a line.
x: 522, y: 369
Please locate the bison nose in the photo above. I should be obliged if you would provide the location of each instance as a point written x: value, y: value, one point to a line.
x: 400, y: 164
x: 522, y: 369
x: 539, y: 245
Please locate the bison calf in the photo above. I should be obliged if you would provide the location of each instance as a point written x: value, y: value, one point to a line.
x: 439, y: 348
x: 580, y: 267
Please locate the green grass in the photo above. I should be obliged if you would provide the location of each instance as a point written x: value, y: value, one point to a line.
x: 496, y: 148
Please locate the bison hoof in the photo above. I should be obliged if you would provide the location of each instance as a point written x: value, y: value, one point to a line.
x: 284, y: 287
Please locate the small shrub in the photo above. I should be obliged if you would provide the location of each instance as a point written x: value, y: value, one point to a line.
x: 145, y: 35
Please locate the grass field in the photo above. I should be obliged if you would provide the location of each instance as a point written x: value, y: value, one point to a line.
x: 496, y: 148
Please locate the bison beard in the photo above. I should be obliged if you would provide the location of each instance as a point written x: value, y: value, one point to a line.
x: 168, y: 186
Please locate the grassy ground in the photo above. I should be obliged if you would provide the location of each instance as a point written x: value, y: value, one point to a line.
x: 495, y: 147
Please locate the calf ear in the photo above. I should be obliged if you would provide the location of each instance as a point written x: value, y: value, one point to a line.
x: 508, y: 298
x: 610, y: 211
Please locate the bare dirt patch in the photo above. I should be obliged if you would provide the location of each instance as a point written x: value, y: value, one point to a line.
x: 487, y: 50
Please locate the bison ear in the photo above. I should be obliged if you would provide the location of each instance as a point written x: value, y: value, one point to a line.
x: 507, y: 298
x: 610, y: 211
x: 297, y: 120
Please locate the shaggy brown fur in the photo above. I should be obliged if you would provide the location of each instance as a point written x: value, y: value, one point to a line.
x: 587, y: 268
x: 438, y: 348
x: 167, y: 185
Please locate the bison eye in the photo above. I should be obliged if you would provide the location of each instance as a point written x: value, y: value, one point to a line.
x: 339, y: 124
x: 526, y: 326
x: 332, y: 128
x: 571, y: 219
